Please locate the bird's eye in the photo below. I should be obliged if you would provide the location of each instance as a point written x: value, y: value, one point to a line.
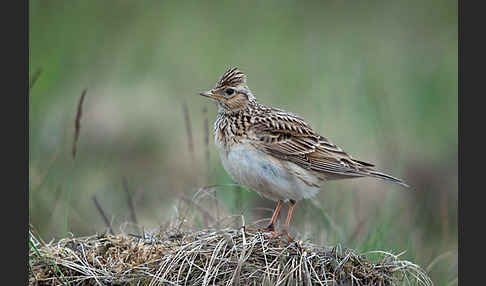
x: 229, y: 91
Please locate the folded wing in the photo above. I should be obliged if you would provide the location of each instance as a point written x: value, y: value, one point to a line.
x: 287, y: 136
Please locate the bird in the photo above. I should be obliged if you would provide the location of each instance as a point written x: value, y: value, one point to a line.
x: 274, y: 152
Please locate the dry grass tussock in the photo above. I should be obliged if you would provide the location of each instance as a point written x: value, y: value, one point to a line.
x: 210, y: 257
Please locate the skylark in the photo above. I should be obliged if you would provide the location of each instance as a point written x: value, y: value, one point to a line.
x: 274, y: 152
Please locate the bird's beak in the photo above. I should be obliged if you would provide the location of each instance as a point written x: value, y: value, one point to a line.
x: 210, y: 94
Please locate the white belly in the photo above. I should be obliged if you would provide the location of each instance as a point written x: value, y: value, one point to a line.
x: 267, y: 176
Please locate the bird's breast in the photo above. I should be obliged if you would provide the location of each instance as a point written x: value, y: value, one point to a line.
x: 249, y: 166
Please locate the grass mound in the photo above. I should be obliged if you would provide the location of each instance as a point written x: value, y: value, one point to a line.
x: 210, y: 257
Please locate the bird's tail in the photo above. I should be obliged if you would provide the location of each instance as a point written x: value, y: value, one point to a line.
x: 387, y: 177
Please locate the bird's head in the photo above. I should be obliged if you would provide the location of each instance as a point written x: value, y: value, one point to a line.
x: 231, y: 92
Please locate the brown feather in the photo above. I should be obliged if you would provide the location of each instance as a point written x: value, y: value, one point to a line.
x: 282, y: 134
x: 289, y: 137
x: 232, y: 77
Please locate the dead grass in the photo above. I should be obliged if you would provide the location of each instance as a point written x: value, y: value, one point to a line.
x: 210, y: 257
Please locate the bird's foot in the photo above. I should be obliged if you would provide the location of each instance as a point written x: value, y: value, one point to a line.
x: 269, y: 228
x: 289, y: 238
x: 270, y: 232
x: 274, y: 234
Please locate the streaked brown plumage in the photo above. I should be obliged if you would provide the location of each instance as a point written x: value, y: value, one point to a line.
x: 274, y: 152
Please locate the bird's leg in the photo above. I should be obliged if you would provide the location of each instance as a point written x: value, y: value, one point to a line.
x: 271, y: 226
x: 289, y: 216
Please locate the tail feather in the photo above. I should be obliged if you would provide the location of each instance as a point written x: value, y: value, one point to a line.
x: 387, y: 177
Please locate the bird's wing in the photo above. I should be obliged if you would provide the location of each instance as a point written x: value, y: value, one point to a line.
x: 287, y: 136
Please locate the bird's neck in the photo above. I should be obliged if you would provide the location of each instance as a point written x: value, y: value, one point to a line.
x: 237, y: 110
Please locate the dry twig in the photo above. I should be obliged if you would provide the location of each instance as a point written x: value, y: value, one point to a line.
x: 77, y: 122
x: 216, y: 257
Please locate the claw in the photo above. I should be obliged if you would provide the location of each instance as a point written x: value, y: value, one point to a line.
x: 272, y: 234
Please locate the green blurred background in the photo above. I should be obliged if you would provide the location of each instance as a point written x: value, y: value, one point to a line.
x: 379, y: 78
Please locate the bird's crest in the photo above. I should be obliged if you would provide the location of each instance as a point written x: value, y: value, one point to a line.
x: 232, y: 77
